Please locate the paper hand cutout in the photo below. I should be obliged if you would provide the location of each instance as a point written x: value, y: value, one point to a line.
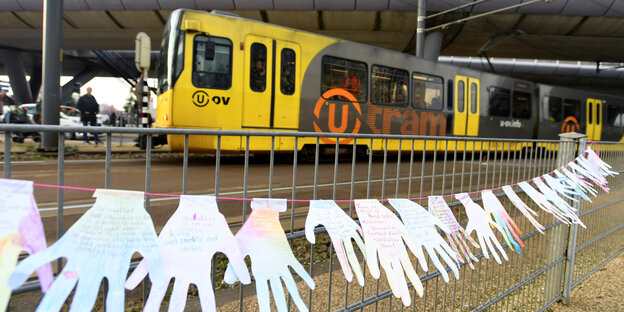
x: 526, y: 211
x: 264, y: 240
x: 561, y: 186
x: 480, y: 221
x: 541, y: 201
x: 421, y: 225
x: 496, y: 209
x: 189, y: 240
x: 457, y: 236
x: 562, y: 207
x: 341, y: 229
x: 100, y: 244
x: 383, y: 237
x: 20, y: 229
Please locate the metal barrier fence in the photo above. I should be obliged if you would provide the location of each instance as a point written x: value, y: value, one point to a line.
x: 545, y: 272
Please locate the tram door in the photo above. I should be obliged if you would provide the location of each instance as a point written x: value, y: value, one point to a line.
x: 270, y: 83
x: 594, y: 119
x: 466, y: 120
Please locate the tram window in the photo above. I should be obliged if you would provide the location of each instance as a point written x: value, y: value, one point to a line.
x: 345, y: 74
x: 389, y: 85
x: 257, y: 75
x: 521, y: 105
x: 460, y: 96
x: 215, y: 73
x: 499, y: 101
x: 554, y: 108
x: 598, y: 115
x: 590, y: 117
x: 179, y: 58
x: 614, y: 115
x: 427, y: 91
x: 572, y: 108
x: 473, y: 98
x: 287, y: 82
x: 449, y: 94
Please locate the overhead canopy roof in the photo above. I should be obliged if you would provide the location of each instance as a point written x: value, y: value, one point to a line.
x: 580, y: 30
x: 586, y: 30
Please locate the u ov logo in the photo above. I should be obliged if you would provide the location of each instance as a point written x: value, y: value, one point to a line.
x: 570, y: 125
x: 200, y: 98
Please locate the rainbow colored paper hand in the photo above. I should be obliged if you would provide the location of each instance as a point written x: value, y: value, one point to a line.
x: 511, y: 231
x: 189, y: 240
x: 383, y: 237
x: 457, y: 236
x: 100, y: 244
x: 421, y: 226
x: 526, y: 211
x: 20, y: 229
x: 341, y: 229
x: 480, y: 221
x: 264, y: 240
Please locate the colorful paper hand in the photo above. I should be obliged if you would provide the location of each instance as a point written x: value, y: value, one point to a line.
x: 526, y: 211
x: 457, y: 236
x: 541, y: 201
x: 496, y: 209
x: 264, y: 240
x: 562, y: 207
x: 100, y: 244
x: 20, y: 229
x: 480, y: 221
x: 383, y: 237
x: 421, y: 226
x: 341, y: 229
x: 189, y: 240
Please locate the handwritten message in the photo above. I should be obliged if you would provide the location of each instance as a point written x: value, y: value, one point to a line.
x: 100, y: 244
x: 341, y: 229
x: 384, y: 235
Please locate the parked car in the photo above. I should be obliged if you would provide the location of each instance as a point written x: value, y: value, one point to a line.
x: 68, y: 116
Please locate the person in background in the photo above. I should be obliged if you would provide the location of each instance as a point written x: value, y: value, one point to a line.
x: 288, y: 82
x: 5, y: 100
x: 89, y: 108
x: 258, y: 76
x: 352, y: 83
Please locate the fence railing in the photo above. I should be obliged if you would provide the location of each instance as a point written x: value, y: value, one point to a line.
x: 543, y: 273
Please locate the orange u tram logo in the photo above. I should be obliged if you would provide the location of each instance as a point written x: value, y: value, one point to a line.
x: 570, y: 124
x: 331, y: 115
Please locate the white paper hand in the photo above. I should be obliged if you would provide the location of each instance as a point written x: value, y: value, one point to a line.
x: 100, y: 244
x: 20, y: 229
x: 560, y: 186
x: 264, y: 240
x: 384, y: 235
x: 526, y: 211
x: 188, y: 241
x: 480, y: 221
x: 511, y: 231
x: 541, y: 201
x: 341, y: 229
x: 562, y: 207
x: 421, y: 225
x: 457, y: 237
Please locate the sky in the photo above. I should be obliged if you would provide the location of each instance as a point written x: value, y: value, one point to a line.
x: 106, y: 90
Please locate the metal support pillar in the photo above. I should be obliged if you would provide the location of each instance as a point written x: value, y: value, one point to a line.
x: 52, y: 40
x: 14, y: 67
x: 35, y: 82
x: 420, y: 28
x: 433, y: 43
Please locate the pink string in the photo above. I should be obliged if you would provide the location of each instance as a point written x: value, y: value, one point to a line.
x: 73, y: 188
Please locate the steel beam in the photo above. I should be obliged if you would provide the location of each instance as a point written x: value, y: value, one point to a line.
x: 14, y: 67
x: 52, y: 45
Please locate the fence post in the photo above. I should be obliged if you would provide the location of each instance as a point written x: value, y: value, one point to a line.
x: 571, y: 252
x: 561, y: 235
